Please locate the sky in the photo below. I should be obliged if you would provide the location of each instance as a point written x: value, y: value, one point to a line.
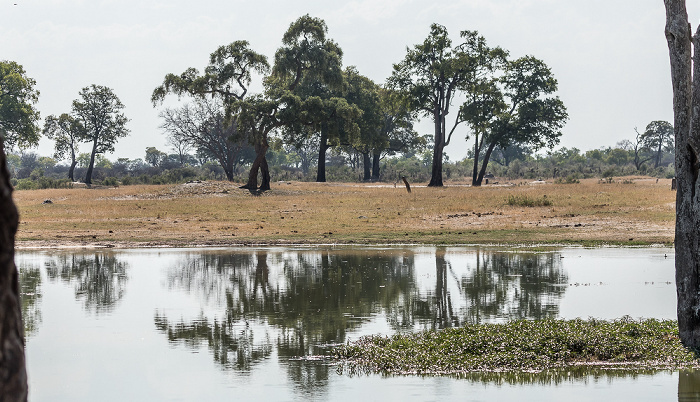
x: 610, y: 57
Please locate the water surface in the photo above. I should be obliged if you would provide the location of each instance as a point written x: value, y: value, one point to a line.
x: 254, y: 323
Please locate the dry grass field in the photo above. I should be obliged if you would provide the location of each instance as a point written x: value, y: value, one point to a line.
x: 632, y: 211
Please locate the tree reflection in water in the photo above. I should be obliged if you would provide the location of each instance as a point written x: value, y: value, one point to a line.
x: 510, y: 286
x: 300, y: 302
x: 312, y: 299
x: 30, y: 296
x: 99, y: 278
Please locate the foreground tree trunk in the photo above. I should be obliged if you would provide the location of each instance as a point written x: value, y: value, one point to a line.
x: 13, y: 375
x: 686, y: 110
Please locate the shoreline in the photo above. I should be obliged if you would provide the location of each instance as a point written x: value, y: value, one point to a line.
x: 120, y: 245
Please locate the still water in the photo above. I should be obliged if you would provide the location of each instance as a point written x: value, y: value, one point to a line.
x: 254, y: 323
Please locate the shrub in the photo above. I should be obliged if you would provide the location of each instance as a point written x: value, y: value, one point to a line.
x: 526, y: 201
x: 570, y: 179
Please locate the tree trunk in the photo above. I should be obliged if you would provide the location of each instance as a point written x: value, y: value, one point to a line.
x: 265, y: 173
x: 13, y: 375
x: 475, y: 169
x: 88, y: 175
x: 484, y: 164
x: 228, y: 170
x: 366, y: 164
x: 376, y: 157
x: 436, y: 173
x: 260, y: 163
x: 322, y: 148
x: 73, y: 163
x: 71, y: 170
x: 686, y: 110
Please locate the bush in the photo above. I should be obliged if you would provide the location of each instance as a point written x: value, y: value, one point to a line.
x: 525, y: 201
x: 110, y: 181
x: 570, y: 179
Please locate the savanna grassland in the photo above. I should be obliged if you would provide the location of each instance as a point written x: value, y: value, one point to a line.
x: 631, y: 211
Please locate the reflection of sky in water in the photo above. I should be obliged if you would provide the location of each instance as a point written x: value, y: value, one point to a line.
x: 117, y: 353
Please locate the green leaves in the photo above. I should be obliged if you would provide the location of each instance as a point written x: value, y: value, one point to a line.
x: 228, y: 75
x: 19, y: 120
x: 66, y: 131
x: 99, y: 111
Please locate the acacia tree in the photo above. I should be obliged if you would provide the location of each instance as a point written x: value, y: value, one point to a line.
x: 434, y: 73
x: 18, y: 125
x: 515, y: 109
x: 66, y: 131
x: 227, y: 78
x: 658, y: 137
x: 686, y: 111
x: 99, y: 112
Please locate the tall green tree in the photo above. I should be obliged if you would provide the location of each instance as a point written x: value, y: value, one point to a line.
x: 658, y: 137
x: 433, y: 74
x: 66, y: 131
x: 18, y: 125
x: 516, y: 109
x: 19, y: 119
x: 308, y: 78
x: 685, y: 79
x: 99, y: 111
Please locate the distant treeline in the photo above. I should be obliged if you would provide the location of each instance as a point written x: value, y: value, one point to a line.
x: 568, y: 165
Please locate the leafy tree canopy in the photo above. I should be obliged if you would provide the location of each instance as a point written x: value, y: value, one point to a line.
x: 19, y: 119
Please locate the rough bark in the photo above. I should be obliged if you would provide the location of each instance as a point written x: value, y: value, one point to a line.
x: 13, y: 375
x: 686, y: 109
x: 260, y: 163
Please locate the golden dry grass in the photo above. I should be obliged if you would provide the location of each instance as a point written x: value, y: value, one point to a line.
x: 220, y: 213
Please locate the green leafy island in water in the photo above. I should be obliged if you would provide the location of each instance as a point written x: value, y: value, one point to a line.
x: 522, y: 346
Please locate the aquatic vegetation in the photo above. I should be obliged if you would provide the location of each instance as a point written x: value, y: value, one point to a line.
x: 522, y: 346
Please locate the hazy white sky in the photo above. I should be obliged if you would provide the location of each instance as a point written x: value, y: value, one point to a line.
x: 610, y: 56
